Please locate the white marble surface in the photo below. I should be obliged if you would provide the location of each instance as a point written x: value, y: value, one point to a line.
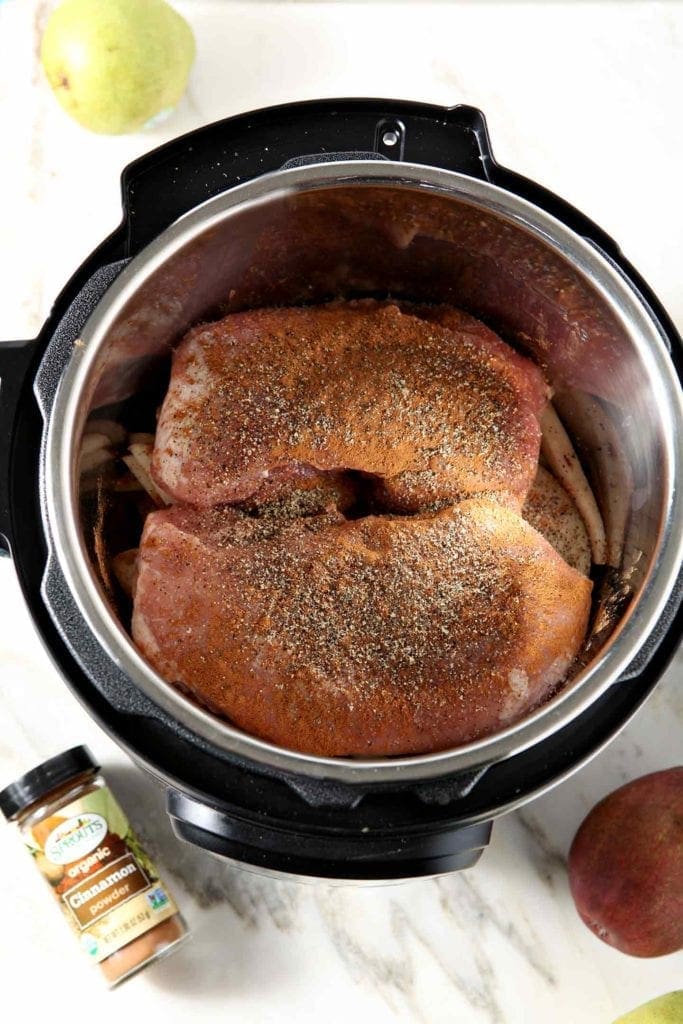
x: 584, y: 97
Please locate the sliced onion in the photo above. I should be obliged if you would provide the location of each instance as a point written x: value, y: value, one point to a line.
x: 139, y: 462
x: 89, y: 462
x: 125, y: 567
x: 95, y: 454
x: 563, y: 461
x: 113, y: 431
x: 597, y: 435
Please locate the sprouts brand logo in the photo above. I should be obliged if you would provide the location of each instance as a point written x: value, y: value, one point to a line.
x: 74, y: 838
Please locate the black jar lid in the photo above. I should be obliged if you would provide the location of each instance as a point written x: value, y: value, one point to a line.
x: 47, y: 776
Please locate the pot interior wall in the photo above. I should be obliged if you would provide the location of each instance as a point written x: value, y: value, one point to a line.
x: 403, y: 241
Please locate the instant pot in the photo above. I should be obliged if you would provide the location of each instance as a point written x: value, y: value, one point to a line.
x: 302, y: 203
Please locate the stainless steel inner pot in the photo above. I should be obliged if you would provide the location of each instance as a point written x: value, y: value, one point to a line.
x: 355, y: 228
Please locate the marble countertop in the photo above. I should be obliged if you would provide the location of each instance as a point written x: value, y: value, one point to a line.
x: 583, y: 97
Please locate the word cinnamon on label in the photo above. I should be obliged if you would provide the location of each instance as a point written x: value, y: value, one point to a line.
x: 106, y: 889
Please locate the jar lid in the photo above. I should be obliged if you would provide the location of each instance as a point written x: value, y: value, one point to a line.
x: 45, y: 777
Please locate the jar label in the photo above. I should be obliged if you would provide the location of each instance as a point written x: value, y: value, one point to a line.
x: 107, y: 886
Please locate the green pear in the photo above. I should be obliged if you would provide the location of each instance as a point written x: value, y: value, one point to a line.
x: 666, y: 1009
x: 115, y: 64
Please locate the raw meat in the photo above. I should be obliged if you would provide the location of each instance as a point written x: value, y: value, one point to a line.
x: 384, y: 635
x: 433, y: 412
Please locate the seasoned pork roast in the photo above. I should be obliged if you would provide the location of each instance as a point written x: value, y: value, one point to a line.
x: 381, y: 635
x: 340, y: 561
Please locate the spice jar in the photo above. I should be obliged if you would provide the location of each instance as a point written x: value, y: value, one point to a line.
x: 82, y: 843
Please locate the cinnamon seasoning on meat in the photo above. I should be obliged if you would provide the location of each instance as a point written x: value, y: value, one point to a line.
x: 108, y: 889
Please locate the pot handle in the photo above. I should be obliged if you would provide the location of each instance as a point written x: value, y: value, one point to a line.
x: 15, y: 359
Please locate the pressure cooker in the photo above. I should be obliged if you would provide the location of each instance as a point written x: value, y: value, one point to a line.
x: 297, y: 204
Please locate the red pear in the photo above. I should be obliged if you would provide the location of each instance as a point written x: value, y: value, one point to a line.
x: 626, y: 866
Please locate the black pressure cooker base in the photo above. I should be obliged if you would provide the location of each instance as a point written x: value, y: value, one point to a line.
x: 252, y: 814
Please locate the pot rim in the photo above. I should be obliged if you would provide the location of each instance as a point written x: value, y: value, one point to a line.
x: 66, y: 419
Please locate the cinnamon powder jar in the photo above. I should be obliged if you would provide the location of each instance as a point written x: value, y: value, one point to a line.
x: 109, y: 890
